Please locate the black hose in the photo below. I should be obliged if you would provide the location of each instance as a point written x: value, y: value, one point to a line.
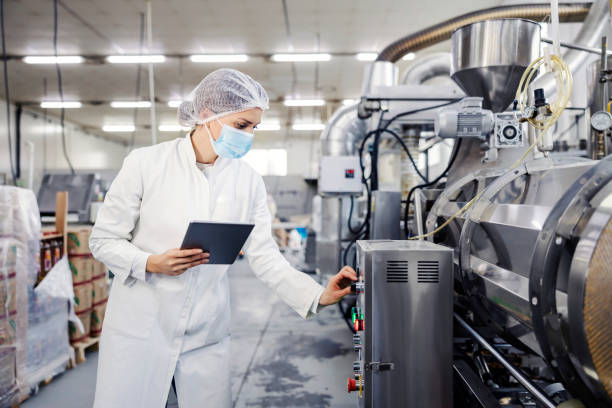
x: 434, y: 181
x: 346, y: 314
x: 60, y: 88
x: 401, y: 142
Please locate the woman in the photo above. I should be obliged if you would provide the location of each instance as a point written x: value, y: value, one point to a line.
x: 168, y: 313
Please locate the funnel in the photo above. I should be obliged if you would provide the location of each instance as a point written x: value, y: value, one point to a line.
x: 489, y: 58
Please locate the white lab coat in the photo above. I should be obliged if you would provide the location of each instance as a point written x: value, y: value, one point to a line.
x: 159, y: 326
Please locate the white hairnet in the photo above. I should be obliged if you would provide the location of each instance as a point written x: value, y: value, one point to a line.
x: 222, y: 92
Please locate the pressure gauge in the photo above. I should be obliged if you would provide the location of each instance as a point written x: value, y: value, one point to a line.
x: 601, y: 120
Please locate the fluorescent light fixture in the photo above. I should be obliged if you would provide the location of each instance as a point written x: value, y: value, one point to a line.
x: 219, y: 58
x: 367, y: 56
x: 172, y: 128
x: 408, y: 57
x: 349, y: 102
x: 300, y: 57
x: 308, y: 126
x: 135, y: 59
x: 130, y: 104
x: 61, y: 59
x: 59, y: 105
x: 118, y: 128
x: 304, y: 102
x: 174, y: 104
x: 268, y: 126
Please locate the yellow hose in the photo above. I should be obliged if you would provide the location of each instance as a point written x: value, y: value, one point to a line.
x: 564, y: 78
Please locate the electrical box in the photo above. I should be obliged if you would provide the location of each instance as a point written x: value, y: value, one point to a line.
x: 404, y: 324
x: 340, y: 175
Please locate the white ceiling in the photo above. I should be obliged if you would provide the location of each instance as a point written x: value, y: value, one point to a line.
x: 105, y: 27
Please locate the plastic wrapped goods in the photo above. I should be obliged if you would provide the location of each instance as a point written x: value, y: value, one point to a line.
x: 19, y: 267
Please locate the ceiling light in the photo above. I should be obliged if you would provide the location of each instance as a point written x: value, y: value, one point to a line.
x: 59, y: 105
x: 308, y: 126
x: 304, y: 102
x: 219, y: 58
x: 173, y: 128
x: 300, y: 57
x: 62, y: 59
x: 174, y: 104
x: 118, y: 128
x: 268, y: 126
x: 349, y: 102
x: 408, y: 57
x: 366, y: 56
x: 135, y: 59
x: 130, y: 104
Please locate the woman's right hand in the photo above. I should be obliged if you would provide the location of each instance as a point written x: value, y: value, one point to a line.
x: 174, y: 262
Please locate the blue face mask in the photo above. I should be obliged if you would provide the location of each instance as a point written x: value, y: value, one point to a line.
x: 232, y: 143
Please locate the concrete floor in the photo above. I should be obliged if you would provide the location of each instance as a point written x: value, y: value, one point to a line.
x: 279, y: 359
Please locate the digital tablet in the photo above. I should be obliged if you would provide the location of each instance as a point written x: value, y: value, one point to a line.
x: 222, y: 240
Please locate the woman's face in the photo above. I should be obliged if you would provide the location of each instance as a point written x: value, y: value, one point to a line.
x: 245, y: 121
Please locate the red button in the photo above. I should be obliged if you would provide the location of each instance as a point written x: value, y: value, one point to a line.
x: 356, y: 324
x: 351, y: 385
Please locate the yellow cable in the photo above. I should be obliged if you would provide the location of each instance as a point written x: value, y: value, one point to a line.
x: 564, y: 79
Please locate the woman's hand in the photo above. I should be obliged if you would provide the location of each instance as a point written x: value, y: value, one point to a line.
x: 174, y: 262
x: 338, y: 287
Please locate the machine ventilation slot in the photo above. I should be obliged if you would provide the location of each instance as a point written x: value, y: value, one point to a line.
x: 427, y: 272
x: 397, y: 271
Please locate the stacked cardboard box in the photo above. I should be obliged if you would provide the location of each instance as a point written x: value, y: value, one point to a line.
x: 89, y: 278
x: 100, y: 297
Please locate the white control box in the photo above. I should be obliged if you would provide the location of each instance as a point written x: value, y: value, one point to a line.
x: 340, y: 175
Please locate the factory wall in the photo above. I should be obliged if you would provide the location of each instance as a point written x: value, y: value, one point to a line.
x: 86, y: 151
x: 302, y: 152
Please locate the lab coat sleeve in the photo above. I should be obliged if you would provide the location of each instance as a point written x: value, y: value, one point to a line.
x: 111, y: 235
x: 295, y: 288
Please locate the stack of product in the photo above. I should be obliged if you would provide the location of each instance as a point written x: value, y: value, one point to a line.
x: 51, y: 251
x: 100, y: 297
x: 90, y: 281
x: 82, y: 267
x: 48, y: 349
x: 19, y: 260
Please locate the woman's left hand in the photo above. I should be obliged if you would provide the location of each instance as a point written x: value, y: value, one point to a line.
x: 338, y: 287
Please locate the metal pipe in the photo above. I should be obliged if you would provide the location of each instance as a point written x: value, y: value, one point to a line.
x: 604, y: 68
x: 18, y: 113
x: 532, y: 388
x: 577, y: 47
x: 30, y: 146
x: 568, y: 12
x: 593, y: 27
x: 151, y: 75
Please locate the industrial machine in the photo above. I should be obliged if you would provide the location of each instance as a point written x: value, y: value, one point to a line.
x: 529, y: 223
x: 404, y: 288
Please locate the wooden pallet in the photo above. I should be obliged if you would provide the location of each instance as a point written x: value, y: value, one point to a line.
x: 89, y: 344
x: 33, y: 391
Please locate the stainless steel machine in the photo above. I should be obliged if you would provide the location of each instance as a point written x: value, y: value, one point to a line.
x: 403, y: 320
x: 529, y: 226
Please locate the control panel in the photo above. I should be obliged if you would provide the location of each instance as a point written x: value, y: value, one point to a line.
x: 403, y: 325
x: 340, y: 175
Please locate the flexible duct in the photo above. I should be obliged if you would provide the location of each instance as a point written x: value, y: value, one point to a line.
x: 568, y: 12
x: 430, y: 66
x: 342, y: 132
